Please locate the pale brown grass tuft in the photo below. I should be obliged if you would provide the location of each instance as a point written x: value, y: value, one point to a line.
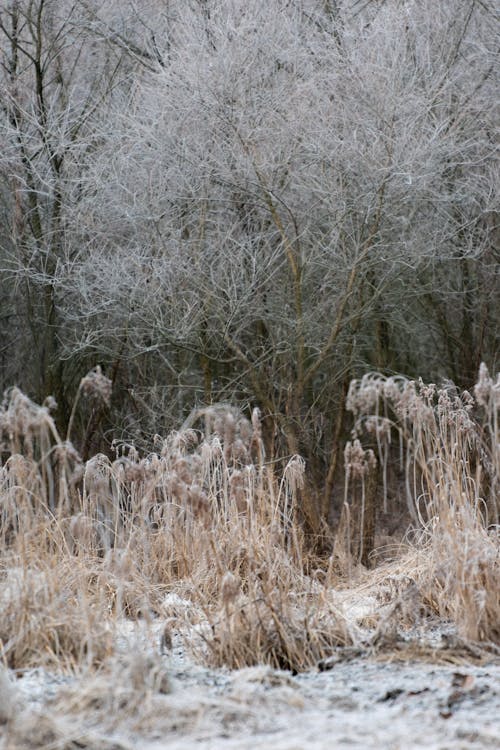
x: 449, y: 447
x: 52, y: 614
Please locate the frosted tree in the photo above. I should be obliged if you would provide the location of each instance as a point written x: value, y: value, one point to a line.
x: 267, y: 198
x: 61, y: 66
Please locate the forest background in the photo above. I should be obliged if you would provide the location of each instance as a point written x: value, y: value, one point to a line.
x: 245, y: 203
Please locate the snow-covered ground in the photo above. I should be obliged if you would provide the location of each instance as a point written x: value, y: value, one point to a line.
x: 152, y: 701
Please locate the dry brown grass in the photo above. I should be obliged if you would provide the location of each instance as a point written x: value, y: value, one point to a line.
x: 84, y: 545
x: 449, y: 445
x: 53, y: 615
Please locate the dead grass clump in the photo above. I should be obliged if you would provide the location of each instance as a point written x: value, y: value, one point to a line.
x: 260, y: 606
x: 50, y: 616
x: 459, y: 577
x: 204, y: 515
x: 29, y: 430
x: 449, y: 447
x: 264, y: 628
x: 446, y: 441
x: 121, y: 687
x: 33, y: 730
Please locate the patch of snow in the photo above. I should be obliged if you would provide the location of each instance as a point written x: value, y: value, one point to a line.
x: 360, y: 704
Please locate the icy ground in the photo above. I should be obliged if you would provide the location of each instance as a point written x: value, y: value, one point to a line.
x: 358, y: 703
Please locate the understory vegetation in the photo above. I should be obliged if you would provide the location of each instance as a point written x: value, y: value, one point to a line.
x: 204, y: 536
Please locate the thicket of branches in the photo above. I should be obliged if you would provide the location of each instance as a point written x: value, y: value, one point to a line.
x: 246, y: 202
